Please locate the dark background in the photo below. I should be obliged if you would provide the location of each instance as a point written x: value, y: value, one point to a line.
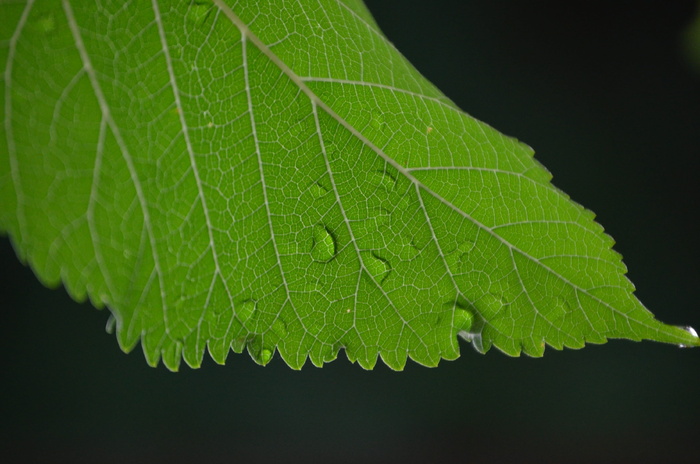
x: 605, y: 94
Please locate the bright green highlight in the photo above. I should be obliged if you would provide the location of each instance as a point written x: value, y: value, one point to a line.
x: 275, y: 177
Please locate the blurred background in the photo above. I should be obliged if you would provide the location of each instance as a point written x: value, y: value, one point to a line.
x: 608, y: 94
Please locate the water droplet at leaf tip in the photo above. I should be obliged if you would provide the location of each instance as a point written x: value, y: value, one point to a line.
x: 474, y: 338
x: 111, y: 324
x: 266, y: 356
x: 692, y: 332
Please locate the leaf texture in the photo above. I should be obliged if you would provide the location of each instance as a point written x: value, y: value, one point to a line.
x: 275, y: 176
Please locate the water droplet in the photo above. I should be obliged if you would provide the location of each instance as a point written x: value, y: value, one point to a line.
x: 279, y: 328
x: 474, y: 337
x: 199, y: 11
x: 245, y: 310
x: 382, y: 180
x: 317, y: 190
x: 378, y: 267
x: 46, y: 24
x: 691, y: 331
x: 463, y: 320
x: 260, y: 353
x: 111, y: 324
x: 265, y: 356
x: 323, y: 247
x: 467, y: 323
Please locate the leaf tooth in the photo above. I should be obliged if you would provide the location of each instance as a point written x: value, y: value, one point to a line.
x: 430, y: 361
x: 575, y: 343
x: 365, y: 356
x: 294, y: 358
x: 193, y: 349
x: 394, y: 359
x: 260, y: 351
x: 219, y: 349
x: 322, y: 353
x: 533, y: 348
x: 171, y: 353
x: 151, y: 344
x: 555, y: 342
x: 509, y: 346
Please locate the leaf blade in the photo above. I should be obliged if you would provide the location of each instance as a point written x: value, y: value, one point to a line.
x: 275, y: 202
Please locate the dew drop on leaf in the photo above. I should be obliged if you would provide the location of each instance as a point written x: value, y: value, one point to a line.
x: 245, y: 310
x: 46, y: 24
x: 323, y: 247
x: 468, y: 324
x: 463, y: 320
x: 111, y: 324
x: 691, y: 331
x: 379, y: 267
x: 474, y: 338
x: 260, y: 353
x: 199, y: 11
x: 265, y: 356
x: 279, y: 328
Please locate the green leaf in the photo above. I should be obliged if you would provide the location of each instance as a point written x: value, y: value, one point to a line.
x: 275, y: 176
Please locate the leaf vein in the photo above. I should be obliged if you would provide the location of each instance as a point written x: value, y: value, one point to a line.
x: 246, y: 32
x: 9, y: 134
x: 106, y: 114
x: 191, y: 154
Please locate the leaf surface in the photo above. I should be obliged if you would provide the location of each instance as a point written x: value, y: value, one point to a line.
x: 275, y: 176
